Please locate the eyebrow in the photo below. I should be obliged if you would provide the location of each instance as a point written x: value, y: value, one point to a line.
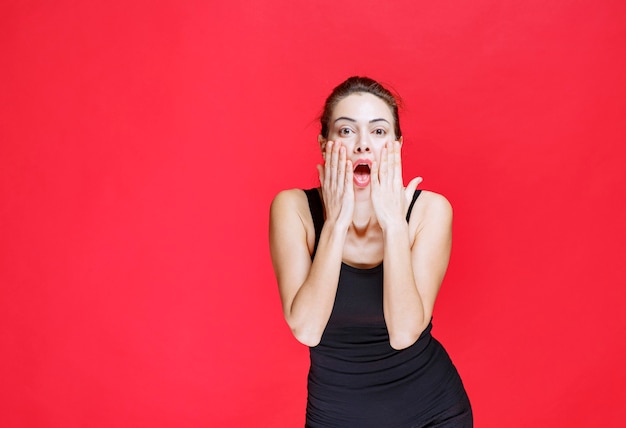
x: 353, y: 120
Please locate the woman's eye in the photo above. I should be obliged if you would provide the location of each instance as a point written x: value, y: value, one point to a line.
x: 345, y: 131
x: 380, y: 132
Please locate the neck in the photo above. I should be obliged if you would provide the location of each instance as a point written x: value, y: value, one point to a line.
x: 363, y: 217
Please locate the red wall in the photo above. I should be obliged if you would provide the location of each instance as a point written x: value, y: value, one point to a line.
x: 142, y: 142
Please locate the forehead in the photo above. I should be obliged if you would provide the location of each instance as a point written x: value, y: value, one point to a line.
x: 363, y: 106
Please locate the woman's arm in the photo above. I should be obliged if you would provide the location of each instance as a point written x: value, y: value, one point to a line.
x: 414, y: 271
x: 307, y: 289
x: 415, y: 262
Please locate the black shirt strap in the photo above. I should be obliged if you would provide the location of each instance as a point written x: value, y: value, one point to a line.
x: 415, y: 195
x: 317, y: 212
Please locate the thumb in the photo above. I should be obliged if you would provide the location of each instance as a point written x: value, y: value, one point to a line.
x: 410, y: 188
x: 320, y: 172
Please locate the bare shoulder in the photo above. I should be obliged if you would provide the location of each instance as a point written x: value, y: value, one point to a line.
x: 437, y: 203
x: 431, y: 203
x: 292, y: 233
x: 291, y: 220
x: 289, y: 202
x: 431, y: 209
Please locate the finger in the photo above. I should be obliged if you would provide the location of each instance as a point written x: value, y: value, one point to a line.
x: 320, y: 173
x: 341, y: 176
x: 375, y: 176
x: 332, y: 167
x: 410, y: 188
x: 384, y: 164
x: 397, y: 165
x: 328, y: 161
x: 391, y: 164
x: 349, y: 173
x: 334, y: 164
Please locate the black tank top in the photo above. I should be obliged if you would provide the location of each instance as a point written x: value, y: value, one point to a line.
x: 357, y: 379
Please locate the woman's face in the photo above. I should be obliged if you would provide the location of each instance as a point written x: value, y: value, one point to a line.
x: 364, y: 124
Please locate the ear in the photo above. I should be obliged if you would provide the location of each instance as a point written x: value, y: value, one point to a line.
x: 322, y: 142
x: 400, y: 141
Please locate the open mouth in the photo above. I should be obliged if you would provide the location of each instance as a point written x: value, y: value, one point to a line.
x: 362, y: 174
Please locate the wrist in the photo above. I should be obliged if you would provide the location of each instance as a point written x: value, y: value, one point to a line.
x: 394, y: 228
x: 336, y: 227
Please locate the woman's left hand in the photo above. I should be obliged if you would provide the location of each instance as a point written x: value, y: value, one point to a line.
x: 389, y: 197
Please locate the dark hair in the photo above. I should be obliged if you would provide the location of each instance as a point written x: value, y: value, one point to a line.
x: 354, y: 85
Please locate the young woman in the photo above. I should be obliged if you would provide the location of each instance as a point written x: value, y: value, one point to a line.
x: 359, y: 262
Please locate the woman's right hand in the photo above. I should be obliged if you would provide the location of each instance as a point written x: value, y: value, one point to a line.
x: 336, y: 181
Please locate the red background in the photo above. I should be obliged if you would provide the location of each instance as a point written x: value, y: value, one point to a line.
x: 142, y: 143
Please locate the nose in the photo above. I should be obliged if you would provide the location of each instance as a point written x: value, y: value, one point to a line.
x: 362, y: 145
